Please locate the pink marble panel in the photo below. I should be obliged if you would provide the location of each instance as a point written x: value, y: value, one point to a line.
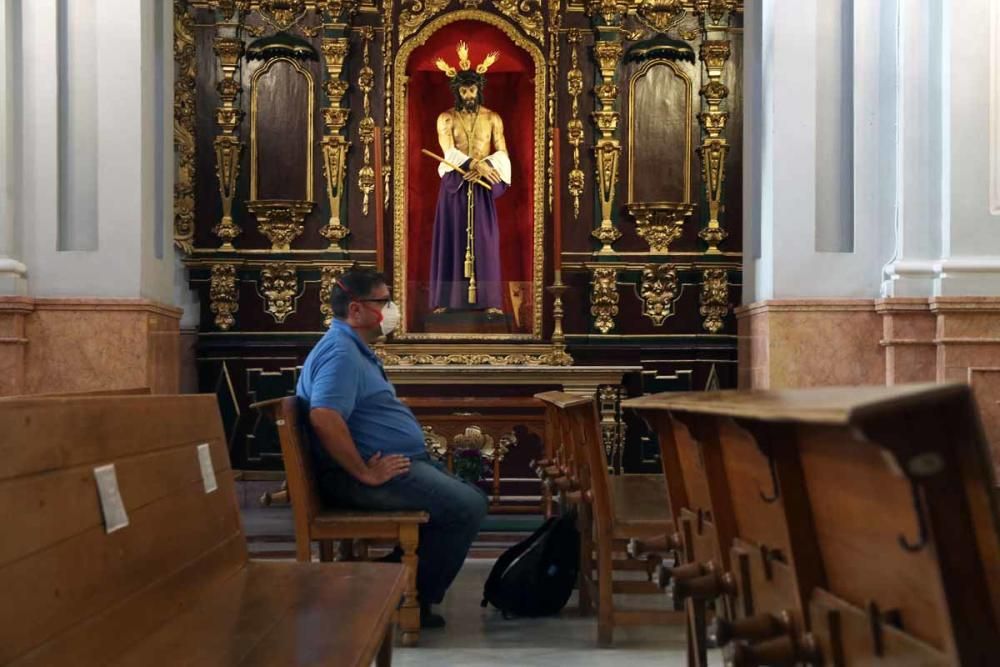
x: 986, y: 385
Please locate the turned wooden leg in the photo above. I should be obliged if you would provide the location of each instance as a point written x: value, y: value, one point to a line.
x: 605, y: 599
x: 326, y: 551
x: 409, y: 611
x: 384, y: 657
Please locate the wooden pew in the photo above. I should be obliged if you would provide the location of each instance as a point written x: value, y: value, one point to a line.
x: 174, y: 585
x: 313, y: 522
x: 854, y: 526
x: 613, y: 510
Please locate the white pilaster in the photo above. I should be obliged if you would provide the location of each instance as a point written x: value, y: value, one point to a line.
x: 12, y: 269
x: 791, y: 149
x: 125, y: 262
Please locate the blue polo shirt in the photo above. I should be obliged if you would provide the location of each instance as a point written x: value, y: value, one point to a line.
x: 343, y: 374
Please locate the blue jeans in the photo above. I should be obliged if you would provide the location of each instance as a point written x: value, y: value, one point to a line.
x: 456, y: 510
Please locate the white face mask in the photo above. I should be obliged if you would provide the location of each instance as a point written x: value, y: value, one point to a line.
x: 390, y: 318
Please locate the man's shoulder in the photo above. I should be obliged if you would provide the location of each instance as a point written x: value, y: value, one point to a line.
x: 446, y: 116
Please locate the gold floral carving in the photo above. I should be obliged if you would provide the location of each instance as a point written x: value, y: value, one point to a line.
x: 611, y: 11
x: 222, y: 295
x: 366, y: 128
x: 574, y: 128
x: 228, y: 147
x: 435, y: 443
x: 555, y: 22
x: 281, y: 14
x: 553, y: 358
x: 184, y: 127
x: 400, y: 195
x: 279, y: 287
x: 328, y: 276
x: 660, y: 223
x: 415, y: 13
x: 659, y: 290
x: 661, y: 15
x: 604, y: 298
x: 280, y: 221
x: 527, y: 14
x: 334, y: 144
x: 714, y: 299
x: 716, y: 10
x: 714, y: 147
x: 387, y: 7
x: 607, y: 149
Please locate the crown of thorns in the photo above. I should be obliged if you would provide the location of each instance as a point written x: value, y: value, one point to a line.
x: 464, y: 63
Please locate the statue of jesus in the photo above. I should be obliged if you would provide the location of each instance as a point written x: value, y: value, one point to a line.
x: 465, y: 251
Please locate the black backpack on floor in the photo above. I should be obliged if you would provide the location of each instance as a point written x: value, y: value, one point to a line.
x: 536, y: 576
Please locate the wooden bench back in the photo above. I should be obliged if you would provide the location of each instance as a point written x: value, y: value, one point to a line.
x: 72, y: 593
x: 826, y: 488
x: 299, y: 472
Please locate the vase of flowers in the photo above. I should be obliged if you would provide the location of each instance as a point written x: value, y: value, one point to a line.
x: 469, y: 465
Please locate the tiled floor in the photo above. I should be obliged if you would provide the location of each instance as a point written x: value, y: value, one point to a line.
x: 478, y: 637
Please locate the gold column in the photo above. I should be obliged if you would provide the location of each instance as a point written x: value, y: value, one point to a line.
x: 228, y: 147
x: 184, y: 127
x: 574, y: 127
x: 607, y: 149
x: 366, y: 128
x: 223, y: 295
x: 334, y: 143
x: 713, y: 119
x: 714, y: 299
x: 604, y: 297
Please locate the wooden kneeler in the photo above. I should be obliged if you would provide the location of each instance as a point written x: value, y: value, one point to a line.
x: 313, y: 522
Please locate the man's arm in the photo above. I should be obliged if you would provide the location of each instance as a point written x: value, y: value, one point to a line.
x: 445, y: 125
x: 496, y: 167
x: 333, y: 434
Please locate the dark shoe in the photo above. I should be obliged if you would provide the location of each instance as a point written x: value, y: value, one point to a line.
x: 430, y: 620
x: 394, y: 556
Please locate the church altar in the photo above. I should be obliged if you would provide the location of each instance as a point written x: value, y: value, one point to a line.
x: 551, y: 188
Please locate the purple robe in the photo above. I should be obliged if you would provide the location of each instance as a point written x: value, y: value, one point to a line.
x: 449, y: 286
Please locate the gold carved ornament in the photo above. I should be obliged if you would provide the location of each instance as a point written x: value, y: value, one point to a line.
x: 549, y: 357
x: 527, y: 14
x: 281, y: 14
x: 609, y: 399
x: 399, y: 206
x: 228, y: 148
x: 555, y: 21
x: 661, y: 15
x: 435, y: 443
x: 184, y: 127
x: 387, y: 7
x: 610, y: 11
x: 574, y: 127
x: 415, y: 13
x: 366, y: 128
x: 222, y: 295
x: 659, y: 290
x: 714, y: 146
x: 279, y: 287
x: 714, y: 299
x: 604, y: 298
x: 334, y: 143
x: 281, y: 221
x: 607, y: 149
x: 328, y: 276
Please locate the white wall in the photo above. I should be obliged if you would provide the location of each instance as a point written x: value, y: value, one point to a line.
x: 12, y: 269
x: 121, y: 259
x: 815, y: 61
x: 923, y: 96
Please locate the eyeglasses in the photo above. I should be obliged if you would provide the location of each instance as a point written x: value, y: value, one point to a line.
x: 385, y: 300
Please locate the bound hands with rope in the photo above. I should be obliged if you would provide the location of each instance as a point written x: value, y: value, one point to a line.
x: 482, y: 169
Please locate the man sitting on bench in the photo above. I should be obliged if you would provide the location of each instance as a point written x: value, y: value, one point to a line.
x: 368, y: 447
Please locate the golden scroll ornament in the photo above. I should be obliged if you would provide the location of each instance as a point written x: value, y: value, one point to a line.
x: 222, y: 295
x: 604, y: 298
x: 279, y: 287
x: 714, y: 299
x: 328, y: 276
x: 659, y: 290
x: 184, y: 127
x: 526, y: 13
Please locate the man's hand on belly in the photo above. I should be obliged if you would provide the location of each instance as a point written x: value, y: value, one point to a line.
x: 382, y: 469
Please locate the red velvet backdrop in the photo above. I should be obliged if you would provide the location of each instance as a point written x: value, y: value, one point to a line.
x: 510, y: 91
